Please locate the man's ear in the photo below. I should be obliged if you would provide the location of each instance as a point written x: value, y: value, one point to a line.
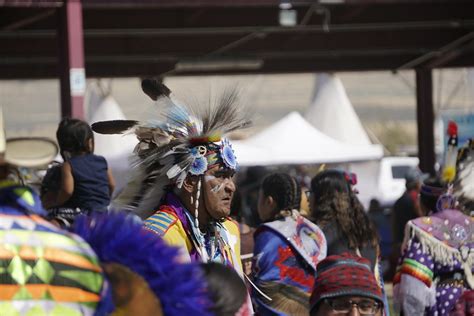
x: 190, y: 183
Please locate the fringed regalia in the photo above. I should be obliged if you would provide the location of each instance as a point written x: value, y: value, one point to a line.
x: 435, y: 271
x: 436, y: 267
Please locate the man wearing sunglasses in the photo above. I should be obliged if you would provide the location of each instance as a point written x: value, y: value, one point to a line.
x: 345, y: 285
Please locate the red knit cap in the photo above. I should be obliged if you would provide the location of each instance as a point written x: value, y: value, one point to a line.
x: 345, y: 275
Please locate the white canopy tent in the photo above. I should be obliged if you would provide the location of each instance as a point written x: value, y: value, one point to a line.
x: 292, y: 140
x: 250, y: 155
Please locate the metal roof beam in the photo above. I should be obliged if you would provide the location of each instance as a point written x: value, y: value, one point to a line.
x: 28, y: 21
x: 450, y: 56
x: 269, y: 66
x: 423, y: 58
x: 149, y: 32
x: 32, y: 3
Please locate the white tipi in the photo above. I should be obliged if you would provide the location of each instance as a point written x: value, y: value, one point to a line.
x: 332, y: 113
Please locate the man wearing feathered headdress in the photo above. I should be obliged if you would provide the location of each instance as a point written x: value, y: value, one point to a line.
x: 182, y: 178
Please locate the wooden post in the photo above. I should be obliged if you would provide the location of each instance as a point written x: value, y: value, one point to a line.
x: 425, y: 120
x: 71, y: 59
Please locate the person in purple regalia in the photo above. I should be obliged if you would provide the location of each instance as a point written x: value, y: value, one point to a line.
x: 435, y: 270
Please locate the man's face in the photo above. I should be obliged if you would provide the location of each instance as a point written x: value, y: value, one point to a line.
x: 218, y: 189
x: 348, y: 306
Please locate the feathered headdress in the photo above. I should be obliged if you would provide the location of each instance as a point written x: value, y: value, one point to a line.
x: 447, y: 200
x: 449, y: 169
x: 119, y: 238
x: 464, y: 183
x: 186, y: 141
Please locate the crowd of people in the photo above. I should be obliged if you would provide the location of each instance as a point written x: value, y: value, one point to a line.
x: 169, y: 243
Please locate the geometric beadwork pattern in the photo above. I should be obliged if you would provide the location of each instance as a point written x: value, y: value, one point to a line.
x: 8, y: 309
x: 45, y: 271
x: 38, y: 309
x: 19, y: 270
x: 85, y: 278
x: 22, y: 294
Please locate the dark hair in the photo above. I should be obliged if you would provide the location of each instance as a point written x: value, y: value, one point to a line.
x: 226, y: 289
x: 335, y: 201
x: 374, y: 206
x: 73, y: 136
x: 236, y: 206
x: 51, y: 180
x: 428, y: 198
x: 412, y: 185
x: 284, y: 189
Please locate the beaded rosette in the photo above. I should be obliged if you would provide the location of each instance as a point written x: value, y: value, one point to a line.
x: 207, y: 156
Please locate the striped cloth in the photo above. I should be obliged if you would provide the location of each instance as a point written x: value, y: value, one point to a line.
x: 160, y: 222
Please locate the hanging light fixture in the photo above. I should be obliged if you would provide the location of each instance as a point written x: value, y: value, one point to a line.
x: 287, y: 15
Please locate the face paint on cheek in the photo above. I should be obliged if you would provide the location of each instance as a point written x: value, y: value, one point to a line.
x: 208, y: 178
x: 215, y: 188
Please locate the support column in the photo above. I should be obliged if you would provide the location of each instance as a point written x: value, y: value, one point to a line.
x: 425, y: 120
x: 71, y: 59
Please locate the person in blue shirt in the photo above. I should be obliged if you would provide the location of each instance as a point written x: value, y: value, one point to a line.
x: 86, y: 181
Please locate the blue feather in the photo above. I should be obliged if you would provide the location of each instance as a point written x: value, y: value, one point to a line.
x: 120, y: 238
